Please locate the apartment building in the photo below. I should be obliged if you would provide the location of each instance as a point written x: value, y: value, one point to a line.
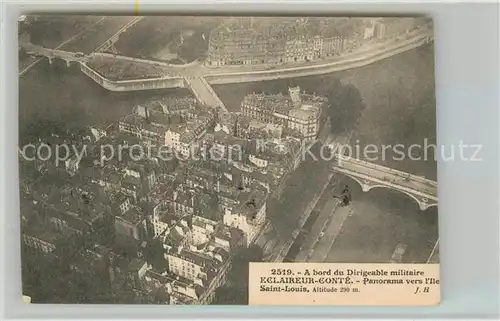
x: 298, y: 112
x: 271, y: 44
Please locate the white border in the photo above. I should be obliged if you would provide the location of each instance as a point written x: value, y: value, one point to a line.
x: 467, y: 71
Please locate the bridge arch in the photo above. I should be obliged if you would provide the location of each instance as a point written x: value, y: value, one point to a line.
x: 72, y: 63
x: 52, y: 59
x: 362, y: 184
x: 366, y: 186
x: 61, y: 61
x: 423, y: 205
x: 429, y: 205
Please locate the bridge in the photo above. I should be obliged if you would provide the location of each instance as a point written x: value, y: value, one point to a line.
x: 204, y: 92
x: 199, y: 78
x: 369, y: 176
x: 110, y: 43
x: 51, y: 54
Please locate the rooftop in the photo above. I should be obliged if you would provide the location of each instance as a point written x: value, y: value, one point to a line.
x: 75, y: 198
x: 134, y: 215
x: 203, y: 222
x: 153, y: 121
x: 40, y: 232
x: 271, y: 103
x: 167, y: 217
x: 170, y: 104
x: 199, y: 259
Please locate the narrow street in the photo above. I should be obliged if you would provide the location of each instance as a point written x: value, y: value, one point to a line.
x: 203, y: 92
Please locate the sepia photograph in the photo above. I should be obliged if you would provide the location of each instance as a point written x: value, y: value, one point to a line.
x: 162, y: 156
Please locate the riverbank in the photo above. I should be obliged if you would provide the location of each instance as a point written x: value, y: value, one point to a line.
x: 399, y: 97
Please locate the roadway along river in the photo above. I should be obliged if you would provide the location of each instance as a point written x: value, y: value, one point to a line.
x: 381, y: 217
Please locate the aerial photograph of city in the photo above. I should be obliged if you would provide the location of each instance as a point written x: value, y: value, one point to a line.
x: 160, y: 155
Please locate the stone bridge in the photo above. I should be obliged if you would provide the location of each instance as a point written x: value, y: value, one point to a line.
x: 369, y: 175
x: 52, y: 54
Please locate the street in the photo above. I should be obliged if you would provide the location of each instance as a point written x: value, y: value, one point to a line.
x: 27, y: 63
x: 86, y: 40
x: 330, y: 231
x: 324, y: 211
x: 201, y: 89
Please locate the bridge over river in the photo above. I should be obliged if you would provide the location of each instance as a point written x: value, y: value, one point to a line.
x: 198, y: 77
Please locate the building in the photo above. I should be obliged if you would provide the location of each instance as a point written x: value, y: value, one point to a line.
x: 179, y: 140
x: 299, y: 113
x: 139, y: 178
x: 130, y: 221
x: 170, y: 289
x: 194, y: 272
x: 71, y: 208
x: 236, y: 45
x: 269, y: 44
x: 181, y: 106
x: 205, y: 267
x: 195, y: 253
x: 222, y: 146
x: 334, y: 46
x: 380, y: 30
x: 183, y: 139
x: 376, y: 28
x: 146, y: 124
x: 248, y: 213
x: 162, y: 220
x: 41, y: 241
x: 179, y: 235
x: 203, y: 229
x: 369, y: 32
x: 182, y: 201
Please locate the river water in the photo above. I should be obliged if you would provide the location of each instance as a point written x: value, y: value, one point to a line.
x: 57, y: 92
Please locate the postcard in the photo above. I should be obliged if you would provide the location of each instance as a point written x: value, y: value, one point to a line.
x: 228, y: 160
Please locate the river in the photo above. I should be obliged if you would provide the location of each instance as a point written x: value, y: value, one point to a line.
x: 400, y: 108
x: 57, y: 92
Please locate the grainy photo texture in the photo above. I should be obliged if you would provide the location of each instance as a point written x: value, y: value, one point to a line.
x: 159, y: 156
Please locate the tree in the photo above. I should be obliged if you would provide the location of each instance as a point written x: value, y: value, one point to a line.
x: 345, y: 107
x: 236, y: 289
x: 193, y: 47
x: 344, y: 101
